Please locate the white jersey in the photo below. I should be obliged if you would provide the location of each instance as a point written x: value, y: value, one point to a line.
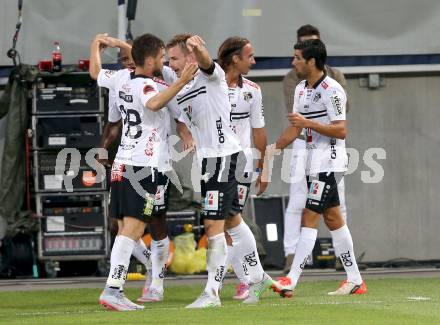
x: 246, y: 114
x: 205, y: 109
x: 144, y: 140
x: 324, y: 102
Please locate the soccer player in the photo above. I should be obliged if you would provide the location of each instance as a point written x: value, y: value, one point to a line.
x: 298, y: 186
x: 236, y: 57
x: 206, y: 111
x: 319, y: 112
x: 154, y: 260
x: 142, y: 153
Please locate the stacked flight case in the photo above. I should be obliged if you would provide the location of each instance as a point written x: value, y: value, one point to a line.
x: 67, y: 121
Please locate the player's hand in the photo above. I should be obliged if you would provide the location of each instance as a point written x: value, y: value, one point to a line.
x: 262, y: 186
x: 298, y: 120
x: 100, y: 39
x: 188, y: 72
x: 189, y: 145
x: 111, y: 41
x: 195, y: 43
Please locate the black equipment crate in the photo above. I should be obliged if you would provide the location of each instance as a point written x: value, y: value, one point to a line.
x: 67, y: 131
x: 72, y: 226
x: 69, y: 93
x: 45, y: 179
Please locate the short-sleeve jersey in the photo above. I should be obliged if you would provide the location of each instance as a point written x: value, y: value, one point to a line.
x: 205, y: 109
x: 144, y: 140
x: 246, y: 114
x: 324, y: 102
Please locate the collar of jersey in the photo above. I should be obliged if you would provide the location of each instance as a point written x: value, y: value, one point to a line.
x: 318, y: 82
x: 134, y: 76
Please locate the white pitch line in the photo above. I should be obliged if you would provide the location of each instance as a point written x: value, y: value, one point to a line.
x: 180, y: 307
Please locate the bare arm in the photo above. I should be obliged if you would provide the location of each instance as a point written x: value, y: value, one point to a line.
x: 259, y: 136
x: 110, y: 133
x: 260, y: 141
x: 95, y: 55
x: 337, y: 129
x: 185, y: 135
x: 100, y: 42
x: 196, y: 45
x: 287, y: 137
x: 162, y: 98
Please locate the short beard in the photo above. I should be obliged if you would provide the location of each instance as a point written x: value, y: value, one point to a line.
x: 300, y: 75
x: 157, y: 73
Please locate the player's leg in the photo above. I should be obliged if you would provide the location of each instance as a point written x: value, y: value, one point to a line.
x: 160, y: 244
x: 343, y: 244
x: 213, y: 220
x: 297, y: 201
x: 135, y: 209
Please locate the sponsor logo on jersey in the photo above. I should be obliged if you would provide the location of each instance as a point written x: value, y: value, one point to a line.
x: 126, y: 98
x: 221, y: 135
x: 324, y: 85
x: 337, y: 104
x: 109, y: 73
x: 247, y: 96
x: 188, y: 112
x: 149, y: 150
x: 317, y: 97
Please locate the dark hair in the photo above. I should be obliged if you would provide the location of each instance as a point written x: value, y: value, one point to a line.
x: 307, y: 30
x: 313, y: 48
x: 179, y: 39
x: 145, y: 46
x: 230, y: 47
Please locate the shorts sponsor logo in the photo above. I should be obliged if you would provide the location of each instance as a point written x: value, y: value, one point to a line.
x: 315, y: 190
x: 148, y: 205
x: 251, y: 259
x: 159, y: 198
x: 211, y: 201
x: 242, y: 193
x: 346, y: 259
x: 332, y: 148
x: 117, y: 172
x: 337, y: 104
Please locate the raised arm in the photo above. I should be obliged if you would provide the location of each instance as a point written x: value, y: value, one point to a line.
x: 196, y: 45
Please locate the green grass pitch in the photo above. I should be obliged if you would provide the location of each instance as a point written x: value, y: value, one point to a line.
x: 388, y: 301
